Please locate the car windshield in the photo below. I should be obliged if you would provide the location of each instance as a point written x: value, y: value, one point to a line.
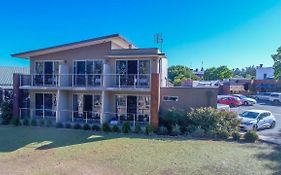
x: 241, y: 96
x: 249, y: 114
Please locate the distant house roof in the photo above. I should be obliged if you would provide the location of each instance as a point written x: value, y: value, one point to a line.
x: 6, y: 75
x: 116, y: 38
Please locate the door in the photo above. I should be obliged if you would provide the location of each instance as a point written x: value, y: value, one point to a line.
x: 131, y: 107
x: 262, y: 120
x: 88, y: 106
x: 132, y: 72
x: 39, y: 105
x: 80, y: 71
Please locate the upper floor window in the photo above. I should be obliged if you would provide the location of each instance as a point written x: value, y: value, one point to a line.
x: 46, y: 67
x: 170, y: 98
x: 88, y: 67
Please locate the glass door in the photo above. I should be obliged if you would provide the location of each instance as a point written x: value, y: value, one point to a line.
x: 80, y: 71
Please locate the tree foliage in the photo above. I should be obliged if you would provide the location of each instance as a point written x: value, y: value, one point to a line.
x: 178, y: 73
x: 247, y: 72
x: 220, y: 73
x: 277, y: 64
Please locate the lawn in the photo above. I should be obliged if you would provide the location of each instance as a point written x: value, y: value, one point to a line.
x: 27, y: 150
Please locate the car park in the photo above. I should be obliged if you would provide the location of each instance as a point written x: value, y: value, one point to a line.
x: 262, y: 96
x: 229, y: 100
x: 245, y: 100
x: 275, y: 98
x: 256, y: 120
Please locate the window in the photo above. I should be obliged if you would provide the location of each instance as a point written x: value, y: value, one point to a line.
x: 170, y: 98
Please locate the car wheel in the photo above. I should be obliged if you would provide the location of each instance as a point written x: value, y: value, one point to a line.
x: 232, y: 105
x: 246, y: 103
x: 273, y: 125
x: 255, y: 127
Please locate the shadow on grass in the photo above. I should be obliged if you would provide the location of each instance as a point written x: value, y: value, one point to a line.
x: 14, y: 138
x: 272, y: 156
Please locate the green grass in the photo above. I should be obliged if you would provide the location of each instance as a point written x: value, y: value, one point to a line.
x: 28, y: 150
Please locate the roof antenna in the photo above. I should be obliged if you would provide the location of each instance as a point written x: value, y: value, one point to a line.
x: 158, y: 39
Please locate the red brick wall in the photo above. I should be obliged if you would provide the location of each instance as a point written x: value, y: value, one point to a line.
x: 155, y: 100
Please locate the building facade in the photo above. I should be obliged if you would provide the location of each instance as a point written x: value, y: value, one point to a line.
x: 105, y: 79
x: 264, y: 73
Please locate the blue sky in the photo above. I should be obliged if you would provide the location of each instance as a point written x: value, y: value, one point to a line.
x: 236, y: 33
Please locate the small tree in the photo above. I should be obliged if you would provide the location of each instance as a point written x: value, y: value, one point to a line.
x: 277, y: 64
x: 7, y: 111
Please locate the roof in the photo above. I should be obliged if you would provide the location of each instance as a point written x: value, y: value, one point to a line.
x: 143, y: 52
x: 6, y: 75
x: 116, y: 38
x: 257, y: 111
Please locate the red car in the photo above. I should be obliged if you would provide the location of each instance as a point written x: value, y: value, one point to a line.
x: 230, y: 100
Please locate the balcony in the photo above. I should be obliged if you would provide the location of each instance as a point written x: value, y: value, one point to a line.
x: 119, y: 81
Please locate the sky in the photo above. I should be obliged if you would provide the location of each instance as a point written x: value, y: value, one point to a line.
x: 236, y: 33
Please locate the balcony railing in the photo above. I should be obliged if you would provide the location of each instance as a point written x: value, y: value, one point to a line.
x: 89, y: 117
x: 131, y: 118
x: 86, y: 80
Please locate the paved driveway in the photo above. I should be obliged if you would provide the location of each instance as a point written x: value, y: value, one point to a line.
x: 276, y: 110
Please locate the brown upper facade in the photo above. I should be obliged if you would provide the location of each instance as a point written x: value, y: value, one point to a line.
x: 111, y: 60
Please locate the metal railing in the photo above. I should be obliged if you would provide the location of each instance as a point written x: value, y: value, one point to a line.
x: 87, y: 80
x: 90, y: 117
x: 37, y: 113
x: 132, y: 119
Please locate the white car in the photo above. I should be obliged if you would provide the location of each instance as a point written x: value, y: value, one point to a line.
x: 246, y: 100
x: 222, y: 107
x: 263, y: 96
x: 275, y: 98
x: 256, y: 119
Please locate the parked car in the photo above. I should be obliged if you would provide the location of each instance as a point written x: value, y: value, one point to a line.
x: 230, y: 100
x: 275, y: 98
x: 263, y: 96
x: 256, y: 119
x: 223, y: 107
x: 246, y: 100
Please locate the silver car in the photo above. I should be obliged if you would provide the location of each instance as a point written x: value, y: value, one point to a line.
x: 256, y: 120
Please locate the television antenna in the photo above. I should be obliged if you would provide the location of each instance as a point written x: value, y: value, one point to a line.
x: 158, y: 39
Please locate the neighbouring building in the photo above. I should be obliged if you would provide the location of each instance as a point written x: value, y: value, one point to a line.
x: 6, y: 80
x: 101, y: 80
x: 264, y: 73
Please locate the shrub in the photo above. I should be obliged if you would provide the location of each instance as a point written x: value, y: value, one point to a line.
x: 138, y: 129
x: 7, y: 111
x: 77, y: 126
x: 41, y: 123
x: 59, y: 125
x: 210, y: 119
x: 176, y: 130
x: 86, y: 126
x: 191, y: 128
x: 15, y: 121
x: 33, y: 122
x: 211, y: 134
x: 106, y: 127
x: 251, y: 136
x: 49, y: 123
x: 115, y: 128
x: 95, y: 128
x: 173, y: 117
x: 198, y: 133
x: 68, y: 125
x: 236, y: 136
x: 25, y: 122
x: 223, y: 134
x: 163, y: 130
x: 126, y: 128
x: 148, y: 129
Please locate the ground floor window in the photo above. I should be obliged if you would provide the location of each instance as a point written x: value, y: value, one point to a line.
x: 45, y: 105
x: 133, y: 108
x: 86, y: 106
